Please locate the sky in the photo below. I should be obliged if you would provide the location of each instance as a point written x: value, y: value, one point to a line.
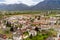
x: 27, y: 2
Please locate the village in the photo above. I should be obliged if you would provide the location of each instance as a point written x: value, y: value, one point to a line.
x: 21, y: 27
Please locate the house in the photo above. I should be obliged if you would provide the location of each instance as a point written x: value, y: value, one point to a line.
x: 3, y: 37
x: 21, y: 21
x: 50, y: 38
x: 17, y: 35
x: 58, y: 37
x: 17, y: 38
x: 32, y: 32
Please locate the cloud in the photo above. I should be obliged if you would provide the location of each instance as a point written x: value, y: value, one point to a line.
x: 28, y: 2
x: 37, y: 0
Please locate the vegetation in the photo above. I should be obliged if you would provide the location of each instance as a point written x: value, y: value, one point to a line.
x: 41, y: 35
x: 25, y: 33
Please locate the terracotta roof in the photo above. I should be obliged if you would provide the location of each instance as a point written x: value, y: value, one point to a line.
x: 3, y: 36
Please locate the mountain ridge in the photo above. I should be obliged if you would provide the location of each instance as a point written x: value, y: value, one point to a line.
x: 47, y: 4
x: 44, y: 5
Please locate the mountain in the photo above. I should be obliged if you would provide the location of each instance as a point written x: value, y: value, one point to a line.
x: 47, y: 4
x: 44, y: 5
x: 20, y: 6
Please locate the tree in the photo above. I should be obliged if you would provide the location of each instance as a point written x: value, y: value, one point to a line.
x: 8, y: 24
x: 11, y: 29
